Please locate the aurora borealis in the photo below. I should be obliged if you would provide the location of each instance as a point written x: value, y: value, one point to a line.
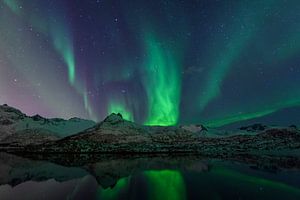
x: 156, y: 62
x: 162, y: 84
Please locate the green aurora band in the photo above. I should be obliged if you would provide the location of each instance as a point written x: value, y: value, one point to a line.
x: 163, y: 87
x: 87, y: 105
x: 238, y: 118
x: 162, y: 79
x: 218, y: 73
x: 240, y: 38
x: 162, y: 83
x: 61, y: 41
x: 63, y: 45
x: 166, y: 184
x: 252, y: 115
x: 58, y: 33
x: 14, y: 5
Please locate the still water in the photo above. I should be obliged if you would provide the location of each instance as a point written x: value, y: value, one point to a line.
x: 142, y: 177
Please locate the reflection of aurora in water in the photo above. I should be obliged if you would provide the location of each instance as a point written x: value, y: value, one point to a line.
x: 190, y: 180
x: 171, y: 185
x: 112, y: 193
x: 166, y: 184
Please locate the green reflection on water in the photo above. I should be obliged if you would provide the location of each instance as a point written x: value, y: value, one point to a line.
x: 112, y: 193
x: 165, y: 184
x: 255, y: 180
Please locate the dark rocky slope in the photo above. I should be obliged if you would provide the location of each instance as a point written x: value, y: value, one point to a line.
x: 116, y: 135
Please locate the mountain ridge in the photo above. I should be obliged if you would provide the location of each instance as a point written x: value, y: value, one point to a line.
x: 13, y: 121
x: 117, y: 135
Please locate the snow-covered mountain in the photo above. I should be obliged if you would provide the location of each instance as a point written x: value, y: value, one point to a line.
x: 15, y: 124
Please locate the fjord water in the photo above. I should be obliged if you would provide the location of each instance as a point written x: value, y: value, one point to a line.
x: 152, y: 178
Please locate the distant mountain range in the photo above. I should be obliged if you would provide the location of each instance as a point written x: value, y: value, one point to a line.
x: 19, y: 129
x: 16, y: 126
x: 23, y: 134
x: 33, y: 148
x: 282, y: 117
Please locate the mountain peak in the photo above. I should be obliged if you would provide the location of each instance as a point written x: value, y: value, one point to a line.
x: 11, y: 110
x: 37, y: 117
x: 114, y: 118
x: 254, y: 127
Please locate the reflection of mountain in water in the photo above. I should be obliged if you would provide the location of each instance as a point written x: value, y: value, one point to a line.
x: 153, y: 177
x: 106, y: 169
x: 16, y: 170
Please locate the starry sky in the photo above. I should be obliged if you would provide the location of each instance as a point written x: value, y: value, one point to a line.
x: 160, y: 62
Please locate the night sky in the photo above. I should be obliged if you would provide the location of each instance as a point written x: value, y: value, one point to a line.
x: 156, y: 62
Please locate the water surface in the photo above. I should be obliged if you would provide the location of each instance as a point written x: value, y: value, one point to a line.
x: 143, y: 177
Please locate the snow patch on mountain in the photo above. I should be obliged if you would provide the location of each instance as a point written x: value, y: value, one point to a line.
x: 13, y: 121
